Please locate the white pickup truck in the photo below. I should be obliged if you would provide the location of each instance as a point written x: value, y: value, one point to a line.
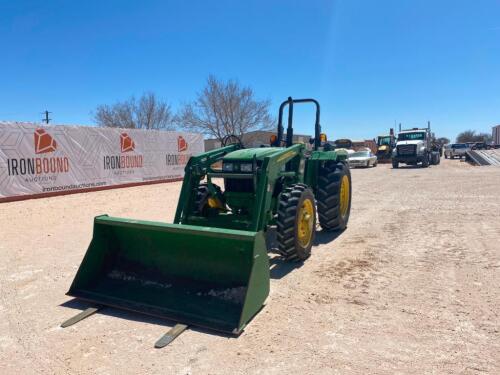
x: 455, y: 150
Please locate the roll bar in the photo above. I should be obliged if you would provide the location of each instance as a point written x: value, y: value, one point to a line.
x: 289, y: 131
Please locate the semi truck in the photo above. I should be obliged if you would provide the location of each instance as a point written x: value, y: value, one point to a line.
x: 415, y: 146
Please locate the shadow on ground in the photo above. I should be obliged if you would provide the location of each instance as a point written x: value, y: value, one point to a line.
x: 412, y: 167
x: 279, y: 267
x: 323, y: 237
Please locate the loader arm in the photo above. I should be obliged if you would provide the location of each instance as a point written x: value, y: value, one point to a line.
x: 196, y: 169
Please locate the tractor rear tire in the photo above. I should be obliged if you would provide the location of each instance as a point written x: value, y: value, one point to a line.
x: 395, y: 164
x: 296, y: 223
x: 334, y: 203
x: 201, y: 202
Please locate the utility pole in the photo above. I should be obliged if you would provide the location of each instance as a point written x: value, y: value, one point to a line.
x: 46, y: 119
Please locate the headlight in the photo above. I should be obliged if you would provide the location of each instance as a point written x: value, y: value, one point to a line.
x: 246, y: 167
x: 227, y: 167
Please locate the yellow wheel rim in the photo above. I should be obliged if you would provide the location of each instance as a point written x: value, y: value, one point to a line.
x: 344, y: 196
x: 305, y: 222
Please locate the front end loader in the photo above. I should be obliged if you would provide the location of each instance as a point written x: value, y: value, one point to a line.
x: 210, y: 268
x: 385, y: 146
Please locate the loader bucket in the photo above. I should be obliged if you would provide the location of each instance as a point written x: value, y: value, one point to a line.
x: 210, y: 277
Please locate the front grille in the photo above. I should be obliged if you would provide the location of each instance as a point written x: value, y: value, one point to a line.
x: 407, y: 149
x: 238, y: 185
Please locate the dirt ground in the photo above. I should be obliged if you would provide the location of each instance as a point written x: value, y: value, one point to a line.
x: 412, y: 286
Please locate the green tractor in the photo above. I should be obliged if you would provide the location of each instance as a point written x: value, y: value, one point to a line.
x: 210, y: 268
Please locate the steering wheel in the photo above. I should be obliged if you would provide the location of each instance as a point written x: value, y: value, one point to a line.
x: 231, y: 139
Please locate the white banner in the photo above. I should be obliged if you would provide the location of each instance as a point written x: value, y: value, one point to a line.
x: 39, y: 159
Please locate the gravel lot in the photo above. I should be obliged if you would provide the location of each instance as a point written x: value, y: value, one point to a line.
x: 412, y: 286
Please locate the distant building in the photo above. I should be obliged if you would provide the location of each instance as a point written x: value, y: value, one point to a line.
x: 372, y: 145
x: 211, y: 144
x: 496, y: 135
x: 258, y: 138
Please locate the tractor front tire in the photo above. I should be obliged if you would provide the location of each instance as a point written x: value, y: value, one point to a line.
x: 296, y: 223
x: 334, y: 196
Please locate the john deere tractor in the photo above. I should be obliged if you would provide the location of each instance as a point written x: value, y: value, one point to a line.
x: 210, y: 267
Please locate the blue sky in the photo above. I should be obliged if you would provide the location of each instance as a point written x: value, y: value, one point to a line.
x: 369, y: 63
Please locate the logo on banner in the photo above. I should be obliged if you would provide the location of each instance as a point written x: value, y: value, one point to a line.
x: 43, y: 143
x: 182, y: 145
x: 126, y: 143
x: 178, y: 159
x: 124, y: 162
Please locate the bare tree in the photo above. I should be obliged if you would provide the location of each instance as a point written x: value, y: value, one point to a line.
x: 472, y: 136
x: 442, y: 140
x: 148, y: 112
x: 466, y: 136
x: 225, y: 108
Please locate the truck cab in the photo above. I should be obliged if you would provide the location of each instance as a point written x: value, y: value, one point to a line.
x: 413, y: 146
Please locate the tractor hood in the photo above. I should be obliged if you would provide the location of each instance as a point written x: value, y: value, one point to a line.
x: 248, y: 153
